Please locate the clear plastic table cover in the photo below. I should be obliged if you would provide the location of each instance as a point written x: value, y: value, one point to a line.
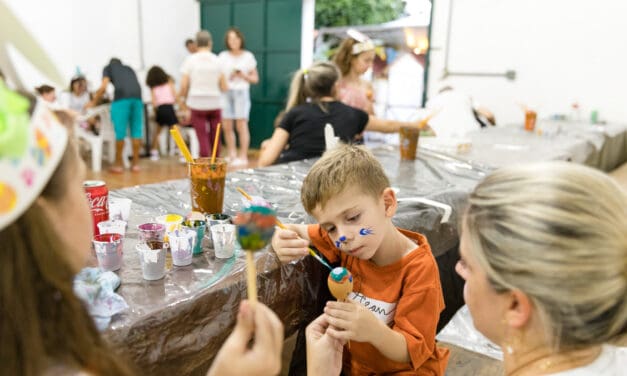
x: 176, y: 325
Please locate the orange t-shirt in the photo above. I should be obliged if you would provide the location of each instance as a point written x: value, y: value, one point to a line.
x: 407, y: 295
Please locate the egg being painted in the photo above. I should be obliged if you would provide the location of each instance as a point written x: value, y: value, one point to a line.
x: 340, y: 283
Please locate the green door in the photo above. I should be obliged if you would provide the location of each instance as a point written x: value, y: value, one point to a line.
x: 272, y: 32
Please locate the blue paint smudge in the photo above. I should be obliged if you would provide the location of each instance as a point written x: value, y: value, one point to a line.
x: 338, y: 244
x: 342, y: 238
x: 366, y: 231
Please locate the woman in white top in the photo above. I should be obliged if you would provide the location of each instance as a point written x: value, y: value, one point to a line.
x: 544, y: 256
x: 202, y: 84
x: 240, y: 68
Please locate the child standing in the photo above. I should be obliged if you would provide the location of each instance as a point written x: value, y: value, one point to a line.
x: 311, y: 105
x: 163, y: 98
x: 392, y: 313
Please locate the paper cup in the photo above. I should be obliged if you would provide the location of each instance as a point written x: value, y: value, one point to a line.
x: 120, y: 208
x: 182, y: 245
x: 108, y: 248
x: 151, y: 232
x: 199, y: 227
x: 223, y: 240
x: 216, y: 219
x: 112, y: 226
x: 152, y: 259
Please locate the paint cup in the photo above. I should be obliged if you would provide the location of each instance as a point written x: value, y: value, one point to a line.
x: 171, y: 221
x: 199, y: 227
x: 152, y: 258
x: 207, y: 184
x: 223, y: 240
x: 216, y: 219
x: 408, y: 142
x: 182, y: 245
x: 112, y: 226
x: 530, y: 120
x: 151, y: 232
x: 108, y: 248
x: 119, y: 208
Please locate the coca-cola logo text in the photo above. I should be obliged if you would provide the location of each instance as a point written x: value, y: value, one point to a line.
x: 98, y: 202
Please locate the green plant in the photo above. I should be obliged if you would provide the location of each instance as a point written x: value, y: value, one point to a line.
x: 357, y: 12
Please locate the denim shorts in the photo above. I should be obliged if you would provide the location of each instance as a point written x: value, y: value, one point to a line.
x: 236, y: 104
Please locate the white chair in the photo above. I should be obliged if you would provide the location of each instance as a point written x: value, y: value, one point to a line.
x: 330, y: 139
x: 106, y: 136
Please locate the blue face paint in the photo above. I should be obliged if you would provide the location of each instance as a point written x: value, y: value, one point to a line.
x: 338, y: 243
x: 366, y: 231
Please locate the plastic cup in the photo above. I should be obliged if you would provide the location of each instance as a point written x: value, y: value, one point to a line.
x: 182, y: 245
x: 216, y: 219
x: 197, y: 226
x: 119, y: 208
x: 223, y: 240
x: 171, y: 221
x: 207, y: 184
x: 152, y: 258
x: 112, y: 226
x: 151, y: 232
x: 408, y: 142
x: 530, y: 120
x: 108, y: 248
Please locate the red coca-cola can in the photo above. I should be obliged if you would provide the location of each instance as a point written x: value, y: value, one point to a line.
x: 98, y: 198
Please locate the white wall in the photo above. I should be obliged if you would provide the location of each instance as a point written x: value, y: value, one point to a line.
x: 87, y: 33
x: 563, y: 51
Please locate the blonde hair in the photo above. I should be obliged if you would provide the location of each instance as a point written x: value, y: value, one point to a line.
x: 312, y: 84
x: 557, y: 232
x: 339, y: 168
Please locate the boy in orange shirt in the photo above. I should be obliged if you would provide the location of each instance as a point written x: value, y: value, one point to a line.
x: 392, y: 313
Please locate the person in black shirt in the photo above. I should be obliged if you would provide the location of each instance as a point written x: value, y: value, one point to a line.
x: 311, y: 105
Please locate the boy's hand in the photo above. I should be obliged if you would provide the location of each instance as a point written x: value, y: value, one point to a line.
x: 351, y: 321
x: 288, y: 245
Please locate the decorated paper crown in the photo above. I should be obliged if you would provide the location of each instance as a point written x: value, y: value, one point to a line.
x: 30, y: 151
x: 363, y: 42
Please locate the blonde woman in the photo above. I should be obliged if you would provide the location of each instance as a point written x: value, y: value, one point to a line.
x: 544, y: 257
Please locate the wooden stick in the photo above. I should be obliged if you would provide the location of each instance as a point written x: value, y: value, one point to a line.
x: 176, y: 135
x: 215, y: 144
x: 251, y: 272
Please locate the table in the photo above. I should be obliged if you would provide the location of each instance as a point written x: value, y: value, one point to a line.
x: 176, y: 325
x: 600, y: 146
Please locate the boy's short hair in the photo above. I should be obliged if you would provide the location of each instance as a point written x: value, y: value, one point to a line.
x: 339, y: 168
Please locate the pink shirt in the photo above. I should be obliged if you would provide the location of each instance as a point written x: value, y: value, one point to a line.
x: 162, y: 94
x: 354, y: 95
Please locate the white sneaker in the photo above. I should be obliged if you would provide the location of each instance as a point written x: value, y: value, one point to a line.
x: 154, y: 155
x: 238, y: 162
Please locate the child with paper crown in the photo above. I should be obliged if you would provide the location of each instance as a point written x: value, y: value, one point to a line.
x: 45, y: 329
x: 391, y: 316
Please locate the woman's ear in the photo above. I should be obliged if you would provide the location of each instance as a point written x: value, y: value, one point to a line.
x: 519, y: 310
x: 389, y: 201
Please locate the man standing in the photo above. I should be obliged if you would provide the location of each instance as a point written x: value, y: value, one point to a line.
x: 127, y: 109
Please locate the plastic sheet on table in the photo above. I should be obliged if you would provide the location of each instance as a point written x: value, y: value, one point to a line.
x: 461, y: 332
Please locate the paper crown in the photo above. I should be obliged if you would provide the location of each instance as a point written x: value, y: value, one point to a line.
x: 30, y: 151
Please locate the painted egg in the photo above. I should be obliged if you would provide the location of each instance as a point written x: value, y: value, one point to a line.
x: 255, y: 227
x: 340, y: 283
